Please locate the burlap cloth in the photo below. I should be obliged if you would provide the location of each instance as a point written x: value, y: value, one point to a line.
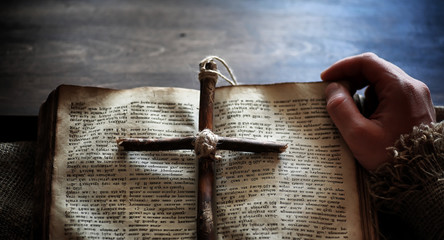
x: 16, y: 193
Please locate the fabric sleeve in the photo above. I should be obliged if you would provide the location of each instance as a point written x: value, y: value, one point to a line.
x: 412, y: 186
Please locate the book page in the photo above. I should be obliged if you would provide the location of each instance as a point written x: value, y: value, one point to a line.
x: 100, y: 192
x: 307, y: 192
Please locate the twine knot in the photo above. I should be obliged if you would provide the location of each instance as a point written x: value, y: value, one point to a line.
x: 205, y: 144
x: 208, y: 69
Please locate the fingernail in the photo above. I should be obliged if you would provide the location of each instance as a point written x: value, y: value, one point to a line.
x: 322, y: 74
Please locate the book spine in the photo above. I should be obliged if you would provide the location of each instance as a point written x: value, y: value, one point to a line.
x: 44, y: 165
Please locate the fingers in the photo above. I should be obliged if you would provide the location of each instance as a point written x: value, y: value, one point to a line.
x: 363, y: 69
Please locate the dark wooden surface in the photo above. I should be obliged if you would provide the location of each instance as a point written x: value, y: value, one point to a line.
x: 125, y: 44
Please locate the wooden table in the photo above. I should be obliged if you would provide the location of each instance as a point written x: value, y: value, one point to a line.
x: 125, y: 44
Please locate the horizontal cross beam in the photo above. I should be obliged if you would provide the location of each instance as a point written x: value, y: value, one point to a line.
x: 223, y: 143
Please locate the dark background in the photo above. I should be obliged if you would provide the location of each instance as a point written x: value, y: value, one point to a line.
x: 125, y: 44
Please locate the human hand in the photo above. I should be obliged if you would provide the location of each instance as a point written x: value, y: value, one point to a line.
x: 398, y: 100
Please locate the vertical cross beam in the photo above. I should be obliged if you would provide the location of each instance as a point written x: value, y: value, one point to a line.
x: 206, y: 226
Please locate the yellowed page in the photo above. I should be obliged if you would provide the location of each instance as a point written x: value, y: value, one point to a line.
x: 308, y: 192
x: 100, y: 192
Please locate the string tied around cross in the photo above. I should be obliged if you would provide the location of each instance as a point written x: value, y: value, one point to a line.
x: 206, y: 70
x: 205, y: 144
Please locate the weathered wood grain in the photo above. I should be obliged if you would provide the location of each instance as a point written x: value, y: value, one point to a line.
x: 124, y: 44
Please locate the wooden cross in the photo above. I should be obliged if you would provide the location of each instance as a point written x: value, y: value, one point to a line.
x: 206, y: 177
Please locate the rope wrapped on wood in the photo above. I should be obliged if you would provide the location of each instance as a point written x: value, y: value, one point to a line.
x: 205, y: 144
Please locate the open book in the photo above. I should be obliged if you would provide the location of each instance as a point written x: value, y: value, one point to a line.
x: 87, y: 187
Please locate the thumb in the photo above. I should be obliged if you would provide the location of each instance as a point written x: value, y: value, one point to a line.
x: 342, y: 108
x: 359, y: 133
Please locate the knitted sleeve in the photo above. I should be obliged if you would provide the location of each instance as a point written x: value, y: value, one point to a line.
x: 412, y: 186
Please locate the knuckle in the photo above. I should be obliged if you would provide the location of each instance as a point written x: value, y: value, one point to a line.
x: 424, y: 89
x: 369, y: 55
x: 335, y: 102
x: 416, y: 88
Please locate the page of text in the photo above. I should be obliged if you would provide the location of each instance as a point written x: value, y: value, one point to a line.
x: 307, y: 192
x: 101, y: 192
